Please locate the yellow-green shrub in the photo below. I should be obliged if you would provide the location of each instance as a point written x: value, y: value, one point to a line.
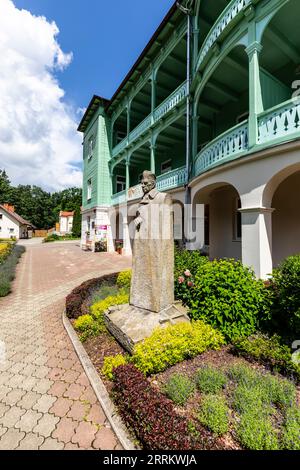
x: 173, y: 344
x: 88, y: 327
x: 5, y: 250
x: 111, y: 363
x: 124, y: 279
x: 100, y: 307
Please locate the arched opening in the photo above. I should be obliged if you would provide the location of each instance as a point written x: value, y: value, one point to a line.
x: 140, y: 106
x: 224, y: 101
x: 285, y: 219
x: 119, y: 128
x: 170, y: 147
x: 178, y: 221
x: 217, y: 221
x: 280, y: 55
x: 172, y: 72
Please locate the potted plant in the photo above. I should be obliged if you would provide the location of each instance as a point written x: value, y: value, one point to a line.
x: 119, y: 246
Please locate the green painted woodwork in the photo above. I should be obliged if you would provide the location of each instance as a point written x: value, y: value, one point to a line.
x: 245, y: 55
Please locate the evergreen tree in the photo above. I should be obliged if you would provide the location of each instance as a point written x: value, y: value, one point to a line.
x: 76, y: 228
x: 5, y: 188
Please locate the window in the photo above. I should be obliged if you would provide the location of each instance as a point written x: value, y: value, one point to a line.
x: 237, y: 220
x: 91, y: 145
x: 120, y: 136
x: 0, y: 229
x: 120, y: 183
x: 89, y: 189
x: 1, y: 216
x: 166, y: 166
x: 11, y: 230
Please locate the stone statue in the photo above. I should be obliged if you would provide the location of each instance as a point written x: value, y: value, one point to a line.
x: 152, y: 285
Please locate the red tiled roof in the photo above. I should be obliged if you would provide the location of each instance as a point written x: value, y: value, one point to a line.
x: 17, y: 217
x: 66, y: 214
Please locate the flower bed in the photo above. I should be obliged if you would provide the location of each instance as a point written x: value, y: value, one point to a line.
x: 8, y: 268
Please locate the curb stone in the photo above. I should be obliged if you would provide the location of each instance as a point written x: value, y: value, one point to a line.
x: 99, y: 389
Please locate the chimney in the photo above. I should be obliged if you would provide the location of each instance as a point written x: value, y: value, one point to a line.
x: 9, y: 207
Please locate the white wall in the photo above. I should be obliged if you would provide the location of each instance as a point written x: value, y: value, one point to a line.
x: 6, y: 223
x: 221, y: 232
x: 286, y: 219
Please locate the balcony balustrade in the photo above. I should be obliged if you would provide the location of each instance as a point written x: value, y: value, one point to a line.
x: 227, y: 17
x: 280, y: 123
x: 162, y: 110
x: 228, y: 145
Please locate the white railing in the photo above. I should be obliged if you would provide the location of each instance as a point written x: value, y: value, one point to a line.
x: 135, y: 192
x: 279, y: 122
x: 224, y: 147
x: 224, y: 20
x: 118, y: 198
x: 171, y: 101
x: 172, y: 179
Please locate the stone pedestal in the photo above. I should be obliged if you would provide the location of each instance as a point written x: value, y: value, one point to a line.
x: 130, y: 325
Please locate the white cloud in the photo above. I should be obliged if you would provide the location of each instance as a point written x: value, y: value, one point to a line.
x: 38, y: 139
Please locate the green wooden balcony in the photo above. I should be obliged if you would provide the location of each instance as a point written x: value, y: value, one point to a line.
x: 227, y: 146
x: 118, y: 198
x: 229, y: 16
x: 173, y: 100
x: 280, y: 123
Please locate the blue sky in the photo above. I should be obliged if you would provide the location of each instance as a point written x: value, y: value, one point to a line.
x: 105, y: 37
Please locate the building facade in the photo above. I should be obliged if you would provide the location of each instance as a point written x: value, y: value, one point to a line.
x: 12, y: 225
x: 66, y: 222
x: 212, y: 107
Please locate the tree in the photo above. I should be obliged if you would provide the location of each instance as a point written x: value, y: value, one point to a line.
x: 5, y: 188
x: 76, y: 228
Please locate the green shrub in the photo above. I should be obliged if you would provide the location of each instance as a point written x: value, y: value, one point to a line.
x: 106, y: 290
x: 291, y: 433
x: 246, y: 399
x: 5, y: 287
x: 280, y: 392
x: 179, y: 388
x: 242, y: 374
x: 124, y: 279
x: 210, y: 380
x: 270, y: 352
x: 173, y: 344
x: 214, y: 414
x: 88, y: 327
x: 111, y: 363
x: 229, y: 297
x: 186, y: 266
x: 100, y: 307
x: 255, y: 431
x: 286, y: 288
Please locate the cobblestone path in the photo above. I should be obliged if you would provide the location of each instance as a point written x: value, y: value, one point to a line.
x: 46, y: 400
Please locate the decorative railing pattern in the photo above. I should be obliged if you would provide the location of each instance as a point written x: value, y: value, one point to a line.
x: 144, y: 125
x: 118, y: 198
x: 119, y: 147
x: 164, y: 108
x: 228, y: 145
x: 172, y: 179
x: 279, y: 122
x: 170, y: 102
x: 227, y: 16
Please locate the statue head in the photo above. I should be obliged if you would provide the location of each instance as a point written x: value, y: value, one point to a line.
x: 148, y: 181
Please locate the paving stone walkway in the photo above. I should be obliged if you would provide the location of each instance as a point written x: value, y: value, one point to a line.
x: 46, y: 400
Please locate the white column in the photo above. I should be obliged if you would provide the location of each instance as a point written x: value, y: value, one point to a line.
x: 257, y: 240
x: 126, y: 238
